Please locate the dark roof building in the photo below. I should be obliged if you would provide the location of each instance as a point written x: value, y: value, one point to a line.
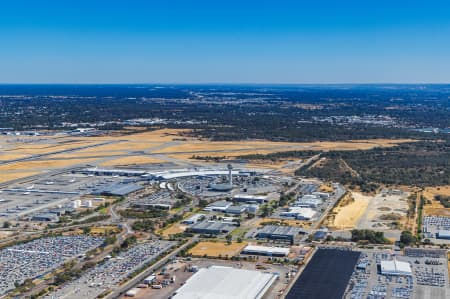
x: 45, y: 217
x: 119, y: 189
x: 279, y: 232
x: 236, y: 210
x: 210, y: 227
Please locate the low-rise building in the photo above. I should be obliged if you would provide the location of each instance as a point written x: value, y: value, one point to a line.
x: 250, y: 198
x: 210, y: 227
x: 396, y: 268
x: 299, y: 213
x: 308, y: 201
x: 236, y: 210
x: 279, y: 232
x: 265, y: 250
x: 49, y: 217
x: 218, y: 206
x: 193, y: 219
x: 226, y: 283
x: 443, y: 234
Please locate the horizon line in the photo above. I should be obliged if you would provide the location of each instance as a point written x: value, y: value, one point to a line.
x: 224, y: 83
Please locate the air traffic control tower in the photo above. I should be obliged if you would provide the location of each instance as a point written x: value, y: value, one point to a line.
x: 230, y: 175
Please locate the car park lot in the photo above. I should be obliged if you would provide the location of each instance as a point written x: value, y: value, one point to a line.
x: 107, y: 275
x: 183, y: 269
x: 428, y: 279
x: 22, y: 200
x: 36, y: 258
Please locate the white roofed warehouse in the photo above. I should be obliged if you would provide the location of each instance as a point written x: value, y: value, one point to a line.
x: 396, y: 268
x: 218, y: 282
x: 265, y: 250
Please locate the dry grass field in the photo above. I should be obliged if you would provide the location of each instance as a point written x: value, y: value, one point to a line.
x: 267, y: 146
x: 217, y: 249
x: 132, y: 160
x: 436, y: 208
x: 174, y: 229
x: 82, y: 154
x: 6, y: 156
x: 5, y: 176
x: 43, y: 164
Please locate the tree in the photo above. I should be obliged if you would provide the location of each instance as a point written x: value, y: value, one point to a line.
x: 229, y: 238
x: 202, y: 203
x: 407, y: 238
x: 6, y: 224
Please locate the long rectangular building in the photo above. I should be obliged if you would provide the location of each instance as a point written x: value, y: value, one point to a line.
x: 226, y: 283
x: 265, y: 250
x: 279, y: 232
x: 210, y: 227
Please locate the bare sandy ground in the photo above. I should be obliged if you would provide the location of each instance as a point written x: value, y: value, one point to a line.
x: 348, y: 216
x: 216, y: 249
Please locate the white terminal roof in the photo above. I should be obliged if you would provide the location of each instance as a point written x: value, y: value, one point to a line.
x: 226, y: 283
x: 395, y: 267
x: 266, y: 250
x: 176, y: 174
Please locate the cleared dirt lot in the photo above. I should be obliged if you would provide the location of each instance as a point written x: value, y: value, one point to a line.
x: 384, y: 208
x: 174, y: 229
x: 348, y: 215
x: 216, y: 249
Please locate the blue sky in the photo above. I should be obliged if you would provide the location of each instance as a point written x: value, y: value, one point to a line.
x: 168, y: 41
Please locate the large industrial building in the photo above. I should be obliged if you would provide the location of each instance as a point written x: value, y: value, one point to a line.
x: 111, y: 172
x: 250, y: 198
x: 299, y: 213
x: 278, y: 232
x: 236, y: 210
x: 210, y: 227
x: 308, y: 201
x: 443, y: 234
x: 265, y: 250
x: 226, y: 283
x: 218, y: 206
x: 395, y: 268
x: 118, y: 189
